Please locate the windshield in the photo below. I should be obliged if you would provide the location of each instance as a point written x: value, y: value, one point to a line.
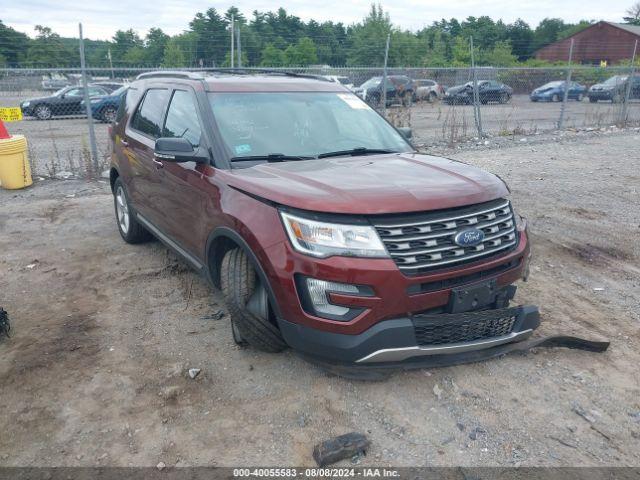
x: 372, y: 82
x: 552, y: 85
x: 615, y: 80
x: 304, y: 124
x: 61, y: 91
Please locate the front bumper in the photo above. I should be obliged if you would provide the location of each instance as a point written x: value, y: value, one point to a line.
x: 601, y: 94
x: 396, y: 341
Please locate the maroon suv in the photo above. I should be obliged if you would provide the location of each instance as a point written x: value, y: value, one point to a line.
x: 323, y: 227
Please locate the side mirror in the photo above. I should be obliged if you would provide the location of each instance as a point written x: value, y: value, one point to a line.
x: 405, y: 132
x: 178, y: 150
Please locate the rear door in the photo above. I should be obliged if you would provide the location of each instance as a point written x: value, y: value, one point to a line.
x: 184, y: 185
x: 144, y: 127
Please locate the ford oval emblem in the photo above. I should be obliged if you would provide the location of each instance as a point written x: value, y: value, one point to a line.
x: 469, y: 238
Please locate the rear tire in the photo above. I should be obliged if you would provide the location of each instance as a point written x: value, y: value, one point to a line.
x: 240, y: 285
x: 108, y: 115
x: 130, y: 230
x: 555, y: 97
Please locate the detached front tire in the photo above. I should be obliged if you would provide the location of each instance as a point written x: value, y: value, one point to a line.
x: 248, y: 304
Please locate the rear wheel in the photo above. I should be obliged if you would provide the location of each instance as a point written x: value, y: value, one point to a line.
x: 42, y: 112
x: 248, y: 304
x: 433, y: 97
x: 555, y: 97
x: 108, y: 115
x: 580, y: 97
x: 130, y: 230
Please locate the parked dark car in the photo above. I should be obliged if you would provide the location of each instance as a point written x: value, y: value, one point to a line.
x: 322, y: 225
x: 614, y: 89
x: 104, y: 107
x: 554, y: 92
x: 488, y: 91
x: 400, y: 89
x: 66, y: 101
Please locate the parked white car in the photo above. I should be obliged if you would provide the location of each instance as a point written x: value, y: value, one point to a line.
x: 429, y: 90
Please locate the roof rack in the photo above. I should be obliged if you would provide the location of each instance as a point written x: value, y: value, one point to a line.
x: 171, y: 74
x: 233, y: 71
x: 250, y: 70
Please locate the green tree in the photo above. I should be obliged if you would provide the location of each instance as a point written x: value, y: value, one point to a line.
x: 369, y: 38
x: 302, y: 53
x: 135, y: 56
x: 436, y: 51
x: 14, y: 44
x: 499, y: 56
x: 212, y: 39
x: 155, y: 45
x: 272, y: 56
x: 520, y: 35
x: 123, y: 41
x: 173, y: 55
x: 47, y: 49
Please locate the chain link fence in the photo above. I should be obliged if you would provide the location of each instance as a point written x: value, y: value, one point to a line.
x: 441, y: 105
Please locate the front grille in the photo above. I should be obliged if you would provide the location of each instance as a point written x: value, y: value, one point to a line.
x: 425, y: 241
x: 440, y: 329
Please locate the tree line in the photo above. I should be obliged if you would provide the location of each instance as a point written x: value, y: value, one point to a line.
x: 277, y: 39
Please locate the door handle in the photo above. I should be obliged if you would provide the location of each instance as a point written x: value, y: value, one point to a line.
x: 123, y: 142
x: 158, y: 163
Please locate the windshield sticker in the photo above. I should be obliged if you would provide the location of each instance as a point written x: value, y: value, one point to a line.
x: 243, y: 149
x: 353, y: 101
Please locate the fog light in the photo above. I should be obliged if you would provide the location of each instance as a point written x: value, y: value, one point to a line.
x: 314, y: 297
x: 318, y: 294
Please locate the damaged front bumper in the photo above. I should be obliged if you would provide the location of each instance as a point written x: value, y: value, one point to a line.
x: 398, y: 344
x: 411, y: 338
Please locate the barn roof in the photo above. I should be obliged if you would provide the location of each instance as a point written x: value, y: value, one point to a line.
x: 635, y: 29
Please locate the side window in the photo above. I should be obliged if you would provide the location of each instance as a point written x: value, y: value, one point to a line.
x: 148, y: 117
x: 182, y: 119
x: 94, y: 91
x: 74, y: 92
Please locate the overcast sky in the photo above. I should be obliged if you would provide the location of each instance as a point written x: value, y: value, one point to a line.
x: 102, y: 18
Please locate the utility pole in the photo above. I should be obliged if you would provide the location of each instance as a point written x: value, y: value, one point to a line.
x: 627, y: 92
x: 239, y: 45
x: 87, y: 104
x: 233, y: 29
x: 384, y: 76
x: 567, y: 85
x: 110, y: 62
x: 476, y: 94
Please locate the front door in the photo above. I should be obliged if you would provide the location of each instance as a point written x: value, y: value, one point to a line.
x: 184, y: 185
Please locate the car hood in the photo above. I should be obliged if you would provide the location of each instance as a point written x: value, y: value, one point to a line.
x: 546, y: 90
x: 376, y: 184
x: 456, y: 89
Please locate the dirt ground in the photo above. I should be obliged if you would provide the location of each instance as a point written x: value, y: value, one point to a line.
x: 104, y: 332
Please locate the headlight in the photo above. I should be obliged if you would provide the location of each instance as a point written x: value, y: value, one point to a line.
x: 26, y: 104
x: 322, y: 239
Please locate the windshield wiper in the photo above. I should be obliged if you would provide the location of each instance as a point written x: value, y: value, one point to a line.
x: 356, y: 151
x: 272, y: 157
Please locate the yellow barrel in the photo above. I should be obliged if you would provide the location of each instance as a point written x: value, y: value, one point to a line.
x: 15, y: 171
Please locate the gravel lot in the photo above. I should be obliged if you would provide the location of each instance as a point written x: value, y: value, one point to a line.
x: 60, y: 146
x: 95, y: 372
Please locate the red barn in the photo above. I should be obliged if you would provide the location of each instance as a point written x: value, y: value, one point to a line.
x: 601, y: 42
